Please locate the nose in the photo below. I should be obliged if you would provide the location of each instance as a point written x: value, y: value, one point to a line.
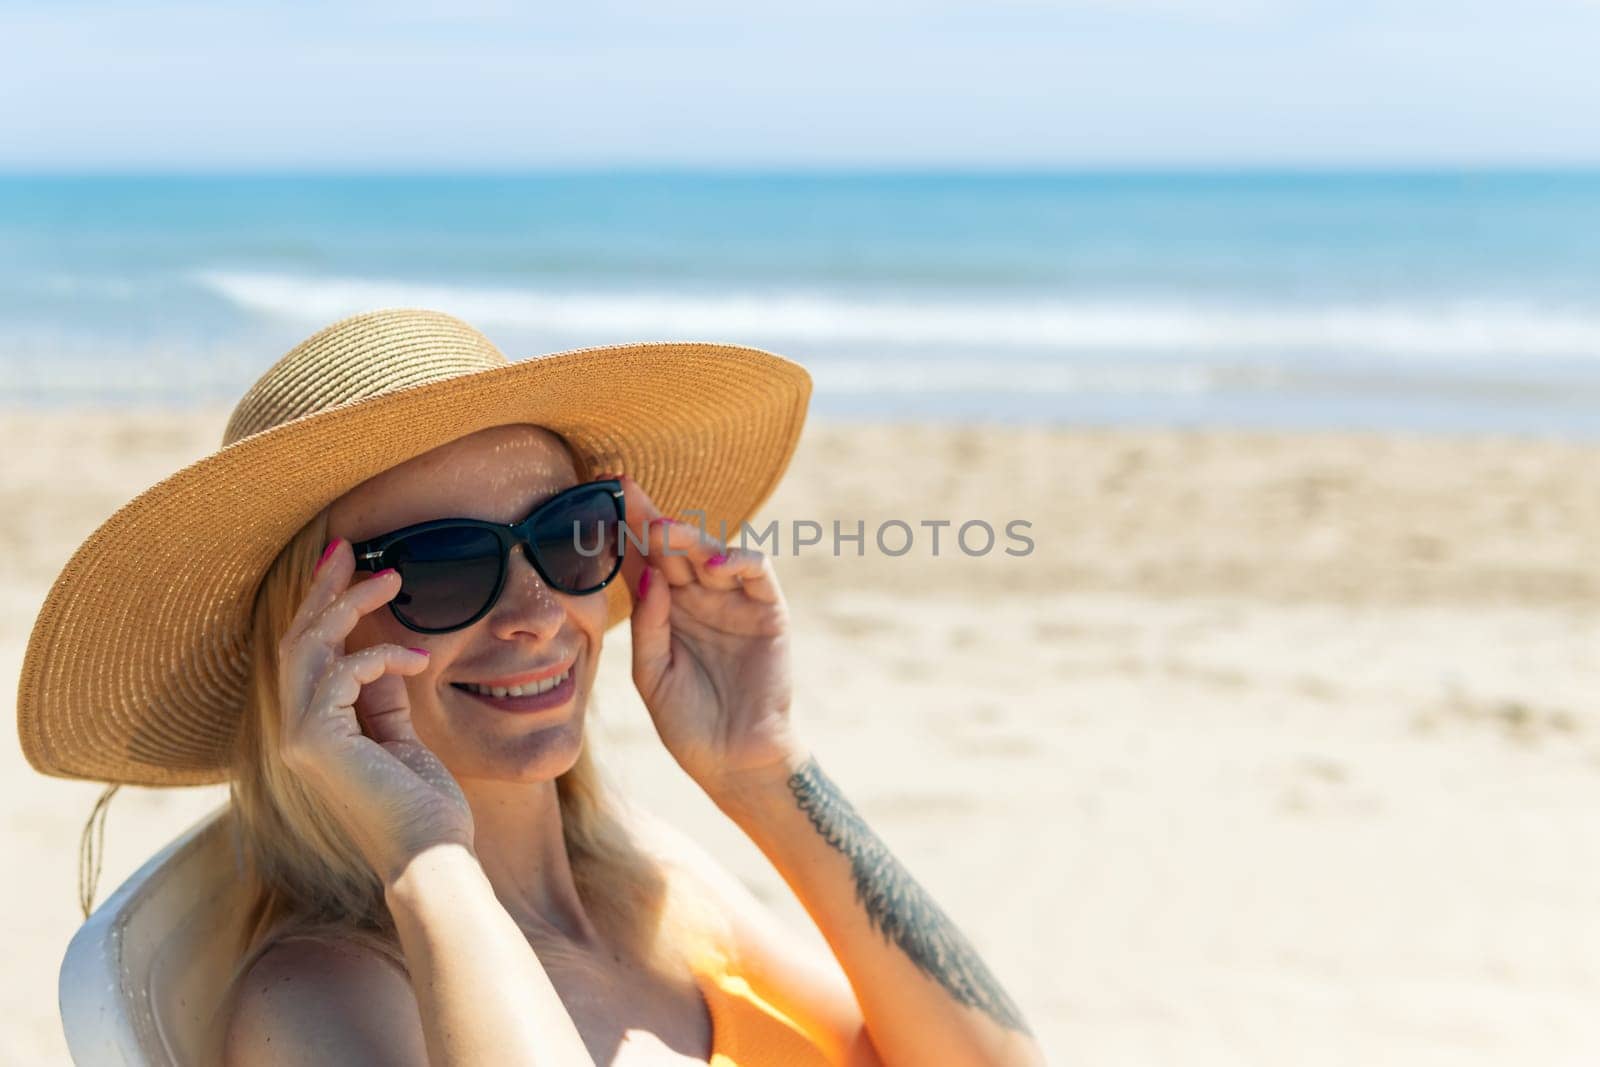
x: 526, y: 604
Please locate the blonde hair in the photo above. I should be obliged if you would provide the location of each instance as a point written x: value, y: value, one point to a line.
x: 308, y: 878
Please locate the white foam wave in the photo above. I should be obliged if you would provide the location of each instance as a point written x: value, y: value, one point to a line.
x: 1459, y: 329
x: 860, y: 377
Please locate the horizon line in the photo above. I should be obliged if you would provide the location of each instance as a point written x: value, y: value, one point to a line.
x: 1107, y: 169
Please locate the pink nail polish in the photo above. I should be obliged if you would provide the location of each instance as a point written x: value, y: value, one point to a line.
x: 716, y: 561
x: 644, y: 583
x: 325, y: 554
x: 386, y: 570
x: 422, y: 651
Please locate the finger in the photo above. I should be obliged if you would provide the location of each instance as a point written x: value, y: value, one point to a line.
x: 329, y: 579
x: 334, y: 622
x: 384, y: 706
x: 652, y: 631
x: 670, y: 543
x: 300, y: 666
x: 754, y: 571
x: 304, y: 656
x: 678, y: 550
x: 331, y: 710
x: 710, y: 566
x: 640, y: 510
x: 732, y: 613
x: 688, y: 542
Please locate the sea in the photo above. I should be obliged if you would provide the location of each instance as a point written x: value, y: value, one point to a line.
x: 1422, y: 301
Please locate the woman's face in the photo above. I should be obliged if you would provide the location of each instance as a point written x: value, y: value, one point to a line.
x: 499, y: 474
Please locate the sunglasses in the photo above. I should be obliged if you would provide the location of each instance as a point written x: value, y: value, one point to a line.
x: 453, y: 570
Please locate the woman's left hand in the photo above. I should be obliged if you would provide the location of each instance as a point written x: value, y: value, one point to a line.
x: 710, y: 652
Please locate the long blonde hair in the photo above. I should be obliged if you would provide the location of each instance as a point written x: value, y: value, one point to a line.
x: 308, y: 878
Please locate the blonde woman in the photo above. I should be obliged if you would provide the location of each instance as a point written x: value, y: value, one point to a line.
x: 395, y: 583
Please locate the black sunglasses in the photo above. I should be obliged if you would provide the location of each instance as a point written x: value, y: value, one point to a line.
x: 452, y: 570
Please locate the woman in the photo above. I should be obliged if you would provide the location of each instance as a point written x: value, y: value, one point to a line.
x: 439, y: 874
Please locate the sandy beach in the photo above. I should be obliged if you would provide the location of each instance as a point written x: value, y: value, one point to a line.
x: 1277, y: 748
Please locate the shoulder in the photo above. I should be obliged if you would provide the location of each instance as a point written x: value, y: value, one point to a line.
x: 685, y: 856
x: 789, y: 969
x: 321, y: 1000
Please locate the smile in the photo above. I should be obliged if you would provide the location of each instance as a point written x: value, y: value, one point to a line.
x: 546, y: 694
x: 531, y: 689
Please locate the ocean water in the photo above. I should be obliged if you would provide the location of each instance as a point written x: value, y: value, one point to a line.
x: 1419, y: 301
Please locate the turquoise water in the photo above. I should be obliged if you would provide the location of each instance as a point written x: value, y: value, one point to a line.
x: 1416, y: 301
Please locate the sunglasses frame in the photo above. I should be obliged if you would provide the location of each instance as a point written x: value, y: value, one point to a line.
x: 369, y: 553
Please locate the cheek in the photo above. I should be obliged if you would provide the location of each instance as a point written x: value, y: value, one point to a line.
x: 588, y: 619
x: 585, y: 634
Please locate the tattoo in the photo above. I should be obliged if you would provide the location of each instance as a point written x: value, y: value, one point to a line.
x: 897, y: 906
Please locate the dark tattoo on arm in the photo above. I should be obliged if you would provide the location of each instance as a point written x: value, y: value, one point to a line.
x: 897, y: 906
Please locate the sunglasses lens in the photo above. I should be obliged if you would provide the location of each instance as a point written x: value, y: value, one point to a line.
x: 446, y: 576
x: 576, y: 541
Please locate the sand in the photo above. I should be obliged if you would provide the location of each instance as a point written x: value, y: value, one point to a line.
x: 1276, y: 749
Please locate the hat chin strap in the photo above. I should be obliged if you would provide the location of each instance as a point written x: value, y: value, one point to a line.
x: 92, y: 849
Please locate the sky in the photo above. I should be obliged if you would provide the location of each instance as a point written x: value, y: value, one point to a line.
x: 990, y: 84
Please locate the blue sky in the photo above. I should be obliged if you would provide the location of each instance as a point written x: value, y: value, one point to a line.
x: 1003, y: 83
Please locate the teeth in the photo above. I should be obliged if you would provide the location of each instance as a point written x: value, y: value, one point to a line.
x: 532, y: 689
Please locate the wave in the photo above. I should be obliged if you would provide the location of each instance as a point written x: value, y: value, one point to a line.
x: 1464, y: 328
x: 886, y: 377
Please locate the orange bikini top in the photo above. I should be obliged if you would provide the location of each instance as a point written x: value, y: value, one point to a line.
x: 748, y: 1030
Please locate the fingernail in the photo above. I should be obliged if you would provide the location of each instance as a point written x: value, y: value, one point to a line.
x: 386, y: 570
x: 325, y: 554
x: 423, y: 651
x: 716, y: 561
x: 644, y: 583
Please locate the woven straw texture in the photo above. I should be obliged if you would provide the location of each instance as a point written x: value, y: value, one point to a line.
x: 135, y: 670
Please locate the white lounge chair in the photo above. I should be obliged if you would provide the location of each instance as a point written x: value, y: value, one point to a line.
x: 143, y: 978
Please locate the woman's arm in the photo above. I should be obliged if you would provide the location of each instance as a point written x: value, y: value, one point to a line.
x: 481, y: 992
x: 925, y: 994
x: 711, y: 662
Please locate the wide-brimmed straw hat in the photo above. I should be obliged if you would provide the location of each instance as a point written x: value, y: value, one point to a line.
x: 136, y: 668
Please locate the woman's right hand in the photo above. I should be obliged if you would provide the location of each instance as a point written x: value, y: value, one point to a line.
x: 391, y: 794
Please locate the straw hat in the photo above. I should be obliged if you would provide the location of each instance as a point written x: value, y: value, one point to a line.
x: 135, y: 671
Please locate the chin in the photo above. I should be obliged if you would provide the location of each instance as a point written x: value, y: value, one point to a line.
x: 501, y: 749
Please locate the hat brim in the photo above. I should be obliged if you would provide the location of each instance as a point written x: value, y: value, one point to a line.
x: 136, y: 668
